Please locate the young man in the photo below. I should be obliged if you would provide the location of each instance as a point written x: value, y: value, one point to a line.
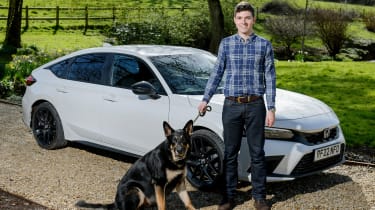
x: 248, y: 62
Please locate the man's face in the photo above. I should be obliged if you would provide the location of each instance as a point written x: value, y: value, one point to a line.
x: 244, y: 22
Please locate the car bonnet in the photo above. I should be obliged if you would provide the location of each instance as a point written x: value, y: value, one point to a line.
x: 289, y: 105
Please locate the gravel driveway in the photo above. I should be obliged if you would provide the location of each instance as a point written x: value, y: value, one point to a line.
x: 58, y: 178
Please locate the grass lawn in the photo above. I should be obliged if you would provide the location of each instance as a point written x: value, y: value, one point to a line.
x: 68, y: 40
x: 348, y: 87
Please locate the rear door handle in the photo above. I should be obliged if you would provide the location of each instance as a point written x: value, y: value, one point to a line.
x: 109, y: 98
x: 61, y: 90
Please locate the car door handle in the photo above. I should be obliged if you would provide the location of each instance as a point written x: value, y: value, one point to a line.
x: 61, y: 90
x: 110, y: 99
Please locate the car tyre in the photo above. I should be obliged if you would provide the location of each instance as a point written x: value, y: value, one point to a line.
x: 205, y: 165
x: 46, y: 127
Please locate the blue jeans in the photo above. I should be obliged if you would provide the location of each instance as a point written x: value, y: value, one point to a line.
x: 251, y: 117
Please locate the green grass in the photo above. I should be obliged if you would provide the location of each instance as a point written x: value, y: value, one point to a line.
x: 61, y: 40
x: 358, y: 30
x: 347, y: 87
x: 98, y: 3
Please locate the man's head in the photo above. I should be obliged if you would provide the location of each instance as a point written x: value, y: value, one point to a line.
x: 243, y: 6
x: 244, y: 18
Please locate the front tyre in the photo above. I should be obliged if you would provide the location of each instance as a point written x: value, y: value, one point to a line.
x: 205, y: 165
x: 46, y: 127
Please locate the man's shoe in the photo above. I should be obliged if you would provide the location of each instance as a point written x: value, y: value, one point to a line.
x: 226, y: 204
x: 261, y: 205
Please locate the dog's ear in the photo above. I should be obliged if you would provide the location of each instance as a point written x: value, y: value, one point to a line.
x: 168, y: 130
x: 189, y: 127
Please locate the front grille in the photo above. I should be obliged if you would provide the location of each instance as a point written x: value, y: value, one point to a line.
x: 271, y: 163
x: 320, y: 137
x: 307, y: 164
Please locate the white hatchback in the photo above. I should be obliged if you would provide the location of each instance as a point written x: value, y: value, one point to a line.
x: 117, y: 97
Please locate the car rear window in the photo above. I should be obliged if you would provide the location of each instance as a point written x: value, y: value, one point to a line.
x: 87, y: 68
x: 60, y: 69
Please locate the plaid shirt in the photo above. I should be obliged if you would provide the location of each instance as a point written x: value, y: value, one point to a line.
x: 249, y: 67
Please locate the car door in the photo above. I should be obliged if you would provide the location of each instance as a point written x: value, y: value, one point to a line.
x: 78, y: 99
x: 130, y: 122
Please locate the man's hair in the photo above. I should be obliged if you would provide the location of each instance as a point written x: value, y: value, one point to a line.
x: 243, y: 6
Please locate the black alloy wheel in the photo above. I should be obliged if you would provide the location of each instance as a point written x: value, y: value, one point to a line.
x: 46, y: 127
x: 205, y: 165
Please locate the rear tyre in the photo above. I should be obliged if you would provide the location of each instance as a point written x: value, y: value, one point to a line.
x: 46, y: 127
x: 205, y: 165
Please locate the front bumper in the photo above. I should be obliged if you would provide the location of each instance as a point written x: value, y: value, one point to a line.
x: 287, y: 160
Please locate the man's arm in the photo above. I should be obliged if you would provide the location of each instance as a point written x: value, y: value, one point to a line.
x: 270, y: 77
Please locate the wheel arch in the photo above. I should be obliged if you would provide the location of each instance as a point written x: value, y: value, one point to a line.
x: 199, y: 127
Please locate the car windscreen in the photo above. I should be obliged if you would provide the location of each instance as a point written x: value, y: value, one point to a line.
x: 186, y: 74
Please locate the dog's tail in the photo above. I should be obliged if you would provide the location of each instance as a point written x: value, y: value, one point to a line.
x: 84, y: 204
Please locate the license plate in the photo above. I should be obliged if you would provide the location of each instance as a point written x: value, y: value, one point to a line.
x: 327, y: 152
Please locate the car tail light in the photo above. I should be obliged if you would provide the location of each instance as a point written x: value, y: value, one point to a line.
x: 30, y: 80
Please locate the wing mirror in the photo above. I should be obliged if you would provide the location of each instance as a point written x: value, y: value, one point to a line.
x: 145, y: 88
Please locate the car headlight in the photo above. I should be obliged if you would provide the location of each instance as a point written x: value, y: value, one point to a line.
x: 278, y: 133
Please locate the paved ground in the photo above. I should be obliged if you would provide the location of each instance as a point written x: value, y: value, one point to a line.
x: 58, y: 178
x: 14, y: 202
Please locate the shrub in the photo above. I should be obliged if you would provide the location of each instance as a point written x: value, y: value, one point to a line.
x: 278, y: 7
x: 369, y: 21
x: 286, y: 34
x: 331, y: 28
x: 179, y: 30
x: 138, y: 33
x: 351, y: 54
x: 26, y: 60
x: 5, y: 88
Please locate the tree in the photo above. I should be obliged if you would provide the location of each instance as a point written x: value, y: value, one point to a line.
x: 13, y: 29
x: 217, y: 24
x: 331, y: 28
x: 304, y: 26
x: 286, y: 30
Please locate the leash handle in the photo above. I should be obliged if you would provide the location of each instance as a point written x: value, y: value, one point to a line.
x: 201, y: 114
x: 206, y: 109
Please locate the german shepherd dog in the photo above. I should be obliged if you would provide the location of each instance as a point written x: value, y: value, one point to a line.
x: 155, y: 175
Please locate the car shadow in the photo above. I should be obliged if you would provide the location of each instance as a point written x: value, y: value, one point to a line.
x: 103, y: 151
x: 277, y: 191
x: 282, y: 191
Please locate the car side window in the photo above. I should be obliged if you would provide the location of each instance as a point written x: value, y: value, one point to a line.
x: 127, y: 70
x: 87, y: 68
x: 60, y: 69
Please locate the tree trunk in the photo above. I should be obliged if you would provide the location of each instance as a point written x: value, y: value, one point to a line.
x: 13, y: 30
x: 217, y: 24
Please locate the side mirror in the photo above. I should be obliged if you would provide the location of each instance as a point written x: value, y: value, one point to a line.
x: 145, y: 88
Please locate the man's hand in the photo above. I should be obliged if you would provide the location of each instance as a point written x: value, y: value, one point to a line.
x: 270, y: 118
x: 202, y: 107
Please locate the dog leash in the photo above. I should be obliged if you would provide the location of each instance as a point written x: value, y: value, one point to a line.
x: 201, y: 114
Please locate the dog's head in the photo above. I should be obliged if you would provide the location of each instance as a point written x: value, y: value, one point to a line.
x: 178, y: 140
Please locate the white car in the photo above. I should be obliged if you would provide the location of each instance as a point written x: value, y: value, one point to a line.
x: 117, y: 97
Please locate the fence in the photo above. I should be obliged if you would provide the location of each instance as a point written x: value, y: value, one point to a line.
x: 87, y: 14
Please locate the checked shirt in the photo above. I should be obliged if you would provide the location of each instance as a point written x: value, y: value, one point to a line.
x: 248, y: 66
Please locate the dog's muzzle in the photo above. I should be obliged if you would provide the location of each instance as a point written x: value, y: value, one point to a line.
x: 179, y: 152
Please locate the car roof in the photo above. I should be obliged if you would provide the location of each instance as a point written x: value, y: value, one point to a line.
x: 145, y: 50
x: 137, y: 50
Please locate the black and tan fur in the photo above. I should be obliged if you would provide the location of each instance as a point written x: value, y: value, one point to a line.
x: 155, y: 175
